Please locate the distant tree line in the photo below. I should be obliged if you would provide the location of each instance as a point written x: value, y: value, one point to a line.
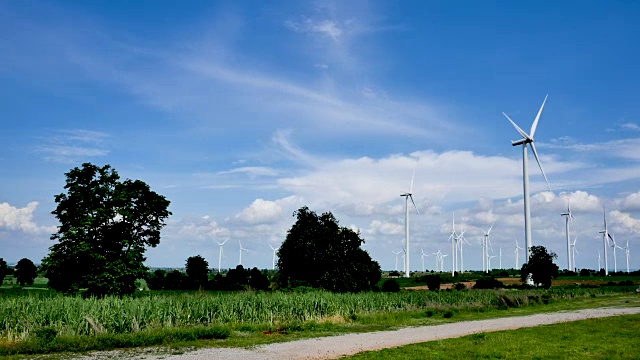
x: 235, y: 279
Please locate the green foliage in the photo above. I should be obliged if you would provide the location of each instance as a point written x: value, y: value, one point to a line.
x: 319, y: 253
x: 390, y: 285
x: 197, y: 269
x: 4, y: 270
x: 25, y: 272
x: 175, y: 280
x: 460, y: 286
x: 540, y: 266
x: 105, y: 226
x: 433, y: 281
x: 156, y: 279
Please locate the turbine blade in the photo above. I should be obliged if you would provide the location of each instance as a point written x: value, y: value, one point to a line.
x: 535, y: 153
x: 412, y: 177
x: 414, y: 204
x: 491, y: 227
x: 524, y: 134
x: 535, y: 122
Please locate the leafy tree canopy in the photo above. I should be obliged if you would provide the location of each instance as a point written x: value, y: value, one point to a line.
x: 197, y: 269
x: 319, y: 253
x: 105, y: 226
x: 4, y: 270
x: 540, y: 266
x: 25, y: 272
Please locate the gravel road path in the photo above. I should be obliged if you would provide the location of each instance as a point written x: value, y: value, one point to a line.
x: 334, y: 347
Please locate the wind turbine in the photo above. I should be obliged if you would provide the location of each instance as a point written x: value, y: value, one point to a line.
x: 273, y: 261
x: 220, y: 254
x: 408, y: 196
x: 518, y: 248
x: 454, y: 245
x: 241, y: 250
x: 615, y: 258
x: 489, y: 264
x: 599, y: 267
x: 526, y: 140
x: 574, y: 252
x: 437, y: 257
x: 442, y: 262
x: 626, y: 250
x: 462, y: 240
x: 422, y: 257
x: 500, y: 258
x: 485, y: 264
x: 396, y: 254
x: 568, y: 217
x: 605, y: 239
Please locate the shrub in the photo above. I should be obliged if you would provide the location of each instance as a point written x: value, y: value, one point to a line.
x: 460, y: 286
x: 433, y: 282
x: 390, y: 285
x: 491, y: 283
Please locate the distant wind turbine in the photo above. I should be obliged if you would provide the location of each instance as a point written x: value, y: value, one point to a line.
x: 599, y: 267
x: 220, y: 254
x: 568, y: 217
x: 241, y: 250
x: 442, y: 262
x: 454, y: 245
x: 273, y: 260
x: 461, y: 241
x: 396, y: 254
x: 518, y: 248
x: 490, y: 257
x: 605, y: 240
x: 500, y: 258
x: 526, y: 140
x: 615, y: 258
x: 485, y: 253
x: 422, y: 257
x: 626, y: 250
x: 408, y: 196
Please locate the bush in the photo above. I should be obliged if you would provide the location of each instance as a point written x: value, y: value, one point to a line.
x: 433, y: 282
x: 460, y: 286
x: 491, y: 283
x: 390, y: 285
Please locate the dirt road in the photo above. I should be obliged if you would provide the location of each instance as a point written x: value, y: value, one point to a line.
x: 334, y: 347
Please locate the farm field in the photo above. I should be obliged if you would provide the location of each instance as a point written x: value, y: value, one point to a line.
x: 39, y: 321
x: 574, y: 340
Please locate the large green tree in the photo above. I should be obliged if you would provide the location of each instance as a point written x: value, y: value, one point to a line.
x: 540, y: 266
x: 319, y: 253
x: 105, y: 227
x: 4, y: 270
x: 25, y: 272
x: 197, y: 269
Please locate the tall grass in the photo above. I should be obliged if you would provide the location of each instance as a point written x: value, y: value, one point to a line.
x: 23, y: 314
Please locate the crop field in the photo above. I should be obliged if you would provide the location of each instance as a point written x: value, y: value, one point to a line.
x: 24, y: 313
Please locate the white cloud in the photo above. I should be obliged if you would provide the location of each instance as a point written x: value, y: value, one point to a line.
x: 21, y: 219
x: 204, y: 228
x: 73, y: 146
x: 328, y: 28
x: 631, y: 126
x: 631, y: 202
x: 264, y: 211
x: 624, y: 222
x: 251, y: 171
x: 385, y: 228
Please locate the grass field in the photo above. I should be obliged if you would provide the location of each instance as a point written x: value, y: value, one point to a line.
x: 606, y: 338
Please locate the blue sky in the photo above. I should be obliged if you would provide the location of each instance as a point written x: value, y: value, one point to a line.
x: 242, y: 112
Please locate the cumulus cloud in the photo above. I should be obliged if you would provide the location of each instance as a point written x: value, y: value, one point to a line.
x: 386, y: 228
x: 265, y: 211
x: 21, y: 219
x: 630, y: 202
x: 624, y: 222
x: 203, y: 228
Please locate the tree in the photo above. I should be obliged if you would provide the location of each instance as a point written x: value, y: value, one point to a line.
x: 319, y: 253
x: 156, y: 279
x: 25, y: 272
x: 4, y: 270
x: 197, y: 269
x: 105, y: 226
x: 540, y: 266
x: 258, y: 280
x: 175, y: 280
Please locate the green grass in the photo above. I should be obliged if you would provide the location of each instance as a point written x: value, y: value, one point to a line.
x: 605, y: 338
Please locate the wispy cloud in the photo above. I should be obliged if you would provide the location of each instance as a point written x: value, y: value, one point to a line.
x: 251, y: 171
x: 631, y: 126
x: 328, y: 28
x: 72, y: 146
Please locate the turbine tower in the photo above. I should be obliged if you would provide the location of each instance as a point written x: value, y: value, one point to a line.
x: 442, y: 262
x: 273, y: 261
x: 568, y: 217
x: 408, y: 196
x: 454, y: 245
x: 605, y: 239
x: 526, y: 140
x: 500, y: 258
x: 220, y: 254
x: 599, y: 267
x: 462, y: 240
x: 615, y: 258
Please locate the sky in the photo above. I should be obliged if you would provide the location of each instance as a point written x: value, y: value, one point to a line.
x: 241, y: 112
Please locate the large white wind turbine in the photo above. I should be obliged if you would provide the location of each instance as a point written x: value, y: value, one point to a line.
x: 615, y: 258
x: 220, y: 254
x: 241, y: 250
x: 408, y: 196
x: 527, y: 139
x: 605, y: 239
x: 568, y: 217
x: 273, y: 260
